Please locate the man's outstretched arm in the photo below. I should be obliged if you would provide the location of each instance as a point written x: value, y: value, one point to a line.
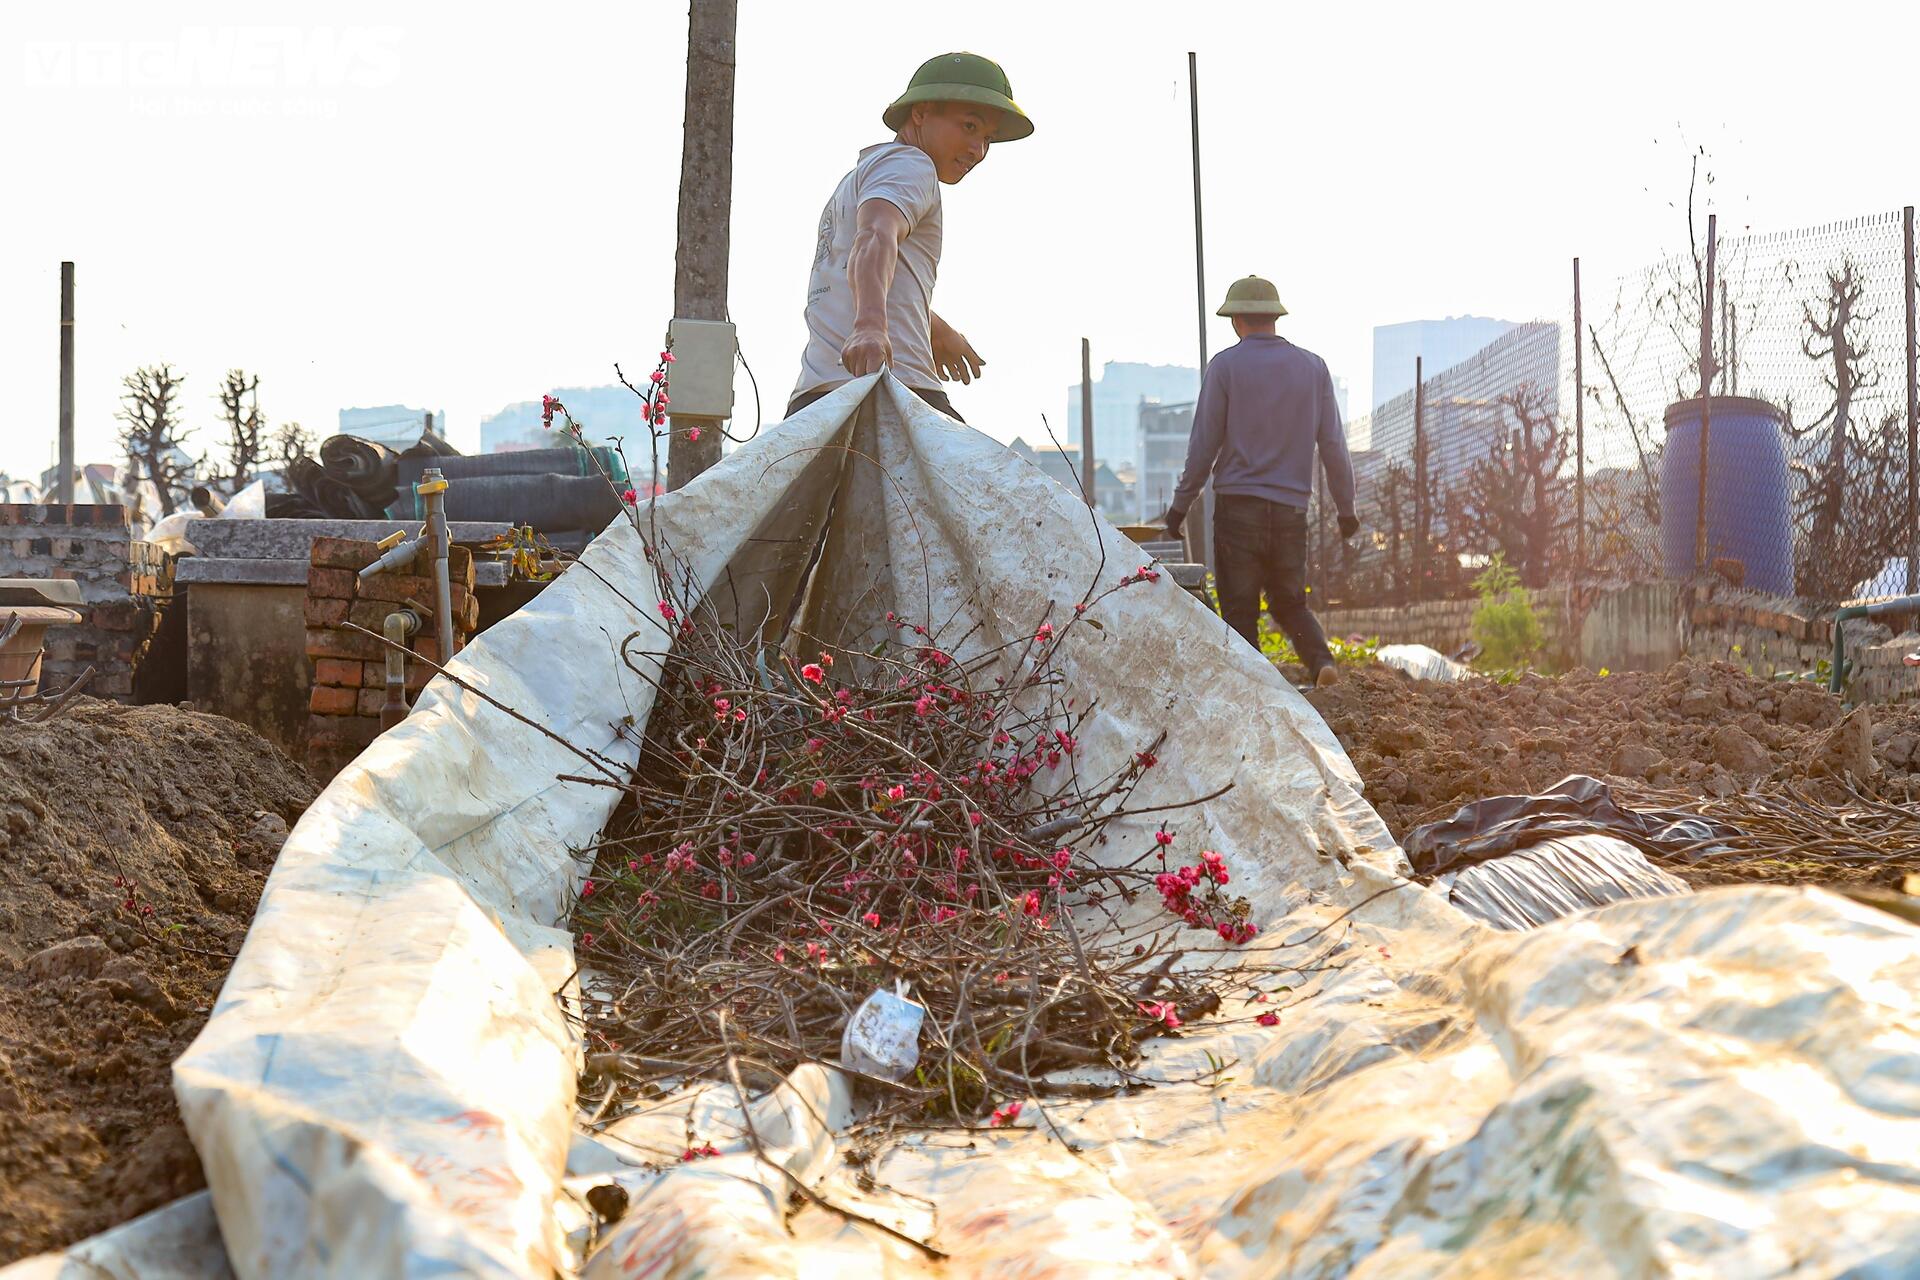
x: 1334, y: 458
x: 878, y: 230
x: 1203, y: 446
x: 953, y: 356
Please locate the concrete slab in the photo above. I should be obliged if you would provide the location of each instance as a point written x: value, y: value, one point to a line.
x: 258, y: 572
x: 293, y: 539
x: 40, y: 591
x: 1190, y: 576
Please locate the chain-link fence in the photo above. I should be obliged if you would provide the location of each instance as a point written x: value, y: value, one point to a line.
x: 1571, y: 444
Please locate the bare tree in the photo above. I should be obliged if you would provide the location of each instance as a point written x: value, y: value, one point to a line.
x: 1394, y: 505
x: 153, y: 435
x: 239, y: 398
x: 1851, y: 477
x: 290, y: 442
x: 1845, y: 352
x: 1515, y: 496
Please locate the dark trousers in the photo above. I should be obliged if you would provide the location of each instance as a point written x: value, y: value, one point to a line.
x: 1261, y: 546
x: 938, y: 399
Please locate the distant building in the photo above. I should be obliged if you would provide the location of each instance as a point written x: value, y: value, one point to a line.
x: 1113, y: 495
x: 602, y: 412
x: 1165, y: 430
x: 1465, y: 409
x: 1121, y: 396
x: 1340, y: 395
x: 1438, y: 343
x: 397, y: 426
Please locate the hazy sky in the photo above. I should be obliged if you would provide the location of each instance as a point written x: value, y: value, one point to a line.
x: 461, y: 205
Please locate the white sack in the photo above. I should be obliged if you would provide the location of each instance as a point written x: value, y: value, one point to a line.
x: 1422, y: 662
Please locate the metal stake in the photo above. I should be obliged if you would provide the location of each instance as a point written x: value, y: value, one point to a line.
x: 1579, y: 434
x: 1087, y: 486
x: 1419, y: 477
x: 1913, y: 418
x: 1203, y: 537
x: 63, y: 487
x: 1706, y: 398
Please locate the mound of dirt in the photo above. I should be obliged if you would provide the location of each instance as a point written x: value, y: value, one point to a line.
x: 1425, y: 748
x: 133, y: 845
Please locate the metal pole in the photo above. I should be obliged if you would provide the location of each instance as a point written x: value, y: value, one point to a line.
x: 63, y: 486
x: 706, y: 208
x: 1913, y: 418
x: 1419, y: 478
x: 1727, y: 338
x: 1733, y: 347
x: 1579, y: 434
x: 1204, y: 536
x: 1706, y: 399
x: 1086, y: 424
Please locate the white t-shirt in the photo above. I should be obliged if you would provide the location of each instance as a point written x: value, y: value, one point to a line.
x: 903, y: 176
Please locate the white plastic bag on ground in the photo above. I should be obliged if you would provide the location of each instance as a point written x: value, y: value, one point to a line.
x: 1422, y: 662
x: 883, y: 1036
x: 248, y: 504
x: 170, y: 533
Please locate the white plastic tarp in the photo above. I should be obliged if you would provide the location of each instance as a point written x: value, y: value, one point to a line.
x: 1422, y: 662
x: 1726, y: 1083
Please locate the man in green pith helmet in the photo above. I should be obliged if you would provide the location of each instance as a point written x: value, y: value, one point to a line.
x: 870, y: 297
x: 1265, y: 408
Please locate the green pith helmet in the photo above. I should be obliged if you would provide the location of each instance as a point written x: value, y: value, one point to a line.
x: 1252, y: 297
x: 962, y: 77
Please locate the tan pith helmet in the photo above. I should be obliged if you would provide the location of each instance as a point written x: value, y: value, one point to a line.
x: 1252, y: 296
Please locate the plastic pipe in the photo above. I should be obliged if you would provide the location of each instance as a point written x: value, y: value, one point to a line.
x: 433, y: 487
x: 402, y: 553
x: 1837, y: 678
x: 400, y: 624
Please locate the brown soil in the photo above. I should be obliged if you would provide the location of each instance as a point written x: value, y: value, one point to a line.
x: 1704, y: 729
x: 133, y: 845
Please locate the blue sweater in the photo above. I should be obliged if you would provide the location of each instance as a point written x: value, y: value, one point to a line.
x: 1264, y: 406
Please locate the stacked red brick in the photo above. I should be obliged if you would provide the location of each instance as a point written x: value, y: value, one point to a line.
x: 90, y: 545
x: 349, y: 666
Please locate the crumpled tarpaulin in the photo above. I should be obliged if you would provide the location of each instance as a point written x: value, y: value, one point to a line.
x: 1575, y: 805
x: 1555, y: 877
x: 1725, y: 1083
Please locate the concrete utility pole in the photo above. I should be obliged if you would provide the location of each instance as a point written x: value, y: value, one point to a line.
x: 63, y: 486
x: 706, y: 207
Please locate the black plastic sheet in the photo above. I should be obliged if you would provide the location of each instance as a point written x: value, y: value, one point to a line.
x: 1576, y: 805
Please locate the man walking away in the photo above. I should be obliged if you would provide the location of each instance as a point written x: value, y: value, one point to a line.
x: 1265, y: 405
x: 870, y: 297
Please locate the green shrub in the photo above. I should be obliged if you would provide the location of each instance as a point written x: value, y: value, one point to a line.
x: 1505, y: 625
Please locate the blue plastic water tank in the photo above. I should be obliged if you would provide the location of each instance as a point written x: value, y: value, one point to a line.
x: 1749, y: 508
